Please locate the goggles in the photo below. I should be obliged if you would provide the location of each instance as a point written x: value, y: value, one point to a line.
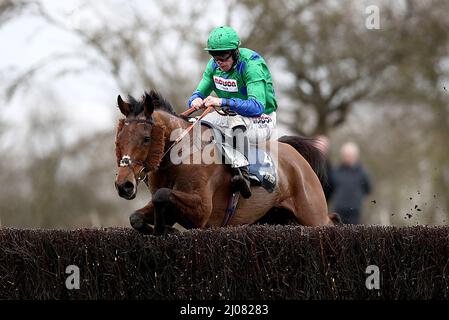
x: 222, y: 58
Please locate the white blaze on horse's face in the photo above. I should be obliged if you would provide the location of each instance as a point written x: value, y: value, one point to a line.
x: 125, y: 161
x: 125, y: 182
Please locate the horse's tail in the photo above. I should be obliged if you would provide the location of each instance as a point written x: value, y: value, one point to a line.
x: 315, y: 158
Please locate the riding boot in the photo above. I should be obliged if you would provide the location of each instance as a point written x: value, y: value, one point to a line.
x: 240, y: 181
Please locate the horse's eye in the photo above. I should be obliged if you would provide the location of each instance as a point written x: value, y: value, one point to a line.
x: 146, y: 139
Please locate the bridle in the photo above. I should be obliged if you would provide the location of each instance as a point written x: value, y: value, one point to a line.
x: 126, y: 160
x: 142, y: 175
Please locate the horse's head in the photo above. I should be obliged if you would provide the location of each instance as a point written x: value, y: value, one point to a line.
x: 139, y: 143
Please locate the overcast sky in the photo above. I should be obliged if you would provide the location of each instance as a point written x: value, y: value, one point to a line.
x: 81, y: 95
x: 87, y: 99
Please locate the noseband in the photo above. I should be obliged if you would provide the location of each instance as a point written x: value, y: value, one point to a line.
x: 126, y: 161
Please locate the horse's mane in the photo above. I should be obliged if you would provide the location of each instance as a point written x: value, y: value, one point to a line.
x: 158, y: 100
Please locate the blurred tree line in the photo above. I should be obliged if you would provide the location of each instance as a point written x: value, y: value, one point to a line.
x: 382, y: 88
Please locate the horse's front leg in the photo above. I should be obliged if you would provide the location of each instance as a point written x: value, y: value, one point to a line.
x: 192, y: 208
x: 141, y: 219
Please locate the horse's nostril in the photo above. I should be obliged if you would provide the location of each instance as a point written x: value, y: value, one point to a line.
x: 128, y: 186
x: 126, y: 190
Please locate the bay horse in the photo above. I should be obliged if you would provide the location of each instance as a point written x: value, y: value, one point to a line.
x: 196, y: 195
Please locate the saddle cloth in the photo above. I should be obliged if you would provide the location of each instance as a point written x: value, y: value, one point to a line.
x: 262, y: 170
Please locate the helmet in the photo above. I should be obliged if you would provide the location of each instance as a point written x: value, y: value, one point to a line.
x: 222, y: 38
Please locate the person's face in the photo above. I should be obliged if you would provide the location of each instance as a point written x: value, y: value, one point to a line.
x: 224, y: 61
x: 349, y: 156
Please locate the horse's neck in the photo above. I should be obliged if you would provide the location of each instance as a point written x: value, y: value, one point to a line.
x: 174, y: 128
x: 170, y: 123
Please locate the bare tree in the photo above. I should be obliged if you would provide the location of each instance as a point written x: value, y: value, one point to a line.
x: 145, y: 49
x: 394, y: 75
x: 10, y: 9
x: 54, y: 183
x: 381, y: 87
x: 334, y: 59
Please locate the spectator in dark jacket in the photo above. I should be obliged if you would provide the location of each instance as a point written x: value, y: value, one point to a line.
x: 352, y: 183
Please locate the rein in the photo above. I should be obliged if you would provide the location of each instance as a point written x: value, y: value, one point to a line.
x: 188, y: 112
x: 147, y: 166
x: 126, y: 160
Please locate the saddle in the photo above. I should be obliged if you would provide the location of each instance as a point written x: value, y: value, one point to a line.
x: 262, y: 170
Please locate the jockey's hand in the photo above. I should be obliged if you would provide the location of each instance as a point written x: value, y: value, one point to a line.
x: 197, y: 103
x: 212, y: 102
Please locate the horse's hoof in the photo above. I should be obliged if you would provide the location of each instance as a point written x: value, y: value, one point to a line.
x: 137, y: 223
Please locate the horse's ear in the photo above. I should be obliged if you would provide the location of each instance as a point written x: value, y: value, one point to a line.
x: 124, y: 107
x: 148, y: 105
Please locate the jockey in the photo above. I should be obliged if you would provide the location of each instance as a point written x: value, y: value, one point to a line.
x: 242, y: 82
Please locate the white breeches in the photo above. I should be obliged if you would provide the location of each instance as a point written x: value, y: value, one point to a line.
x: 259, y: 129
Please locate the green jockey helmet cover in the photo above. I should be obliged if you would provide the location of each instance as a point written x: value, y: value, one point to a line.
x: 222, y: 38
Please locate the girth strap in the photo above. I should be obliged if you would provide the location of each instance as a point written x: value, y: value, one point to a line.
x: 231, y: 208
